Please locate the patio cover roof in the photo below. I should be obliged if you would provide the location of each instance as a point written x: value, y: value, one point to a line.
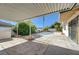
x: 3, y: 24
x: 23, y: 11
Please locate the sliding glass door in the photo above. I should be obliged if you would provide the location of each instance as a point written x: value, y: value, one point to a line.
x: 73, y: 29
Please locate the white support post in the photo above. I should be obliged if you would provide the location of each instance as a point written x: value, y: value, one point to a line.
x: 30, y: 34
x: 17, y: 29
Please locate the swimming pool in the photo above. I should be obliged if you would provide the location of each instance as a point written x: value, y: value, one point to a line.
x: 41, y: 34
x: 45, y: 33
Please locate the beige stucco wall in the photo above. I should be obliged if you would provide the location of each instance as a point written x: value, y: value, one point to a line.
x: 77, y: 28
x: 5, y: 33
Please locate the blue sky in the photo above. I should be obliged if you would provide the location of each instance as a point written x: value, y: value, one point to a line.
x: 38, y: 21
x: 48, y: 20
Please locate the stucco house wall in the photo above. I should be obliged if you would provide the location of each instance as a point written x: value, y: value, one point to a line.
x: 65, y: 25
x: 66, y: 17
x: 5, y: 32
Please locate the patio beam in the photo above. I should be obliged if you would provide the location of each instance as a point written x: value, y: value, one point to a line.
x: 69, y: 9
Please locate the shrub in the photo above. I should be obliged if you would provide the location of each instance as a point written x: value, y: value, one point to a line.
x: 52, y: 26
x: 33, y: 28
x: 46, y: 28
x: 23, y: 28
x: 57, y: 26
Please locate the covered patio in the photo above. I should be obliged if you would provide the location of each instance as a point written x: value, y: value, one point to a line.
x: 53, y: 43
x: 23, y: 11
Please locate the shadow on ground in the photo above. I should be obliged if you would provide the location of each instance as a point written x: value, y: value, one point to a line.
x: 34, y: 48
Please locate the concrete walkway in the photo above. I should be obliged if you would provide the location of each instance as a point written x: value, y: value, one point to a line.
x: 52, y: 44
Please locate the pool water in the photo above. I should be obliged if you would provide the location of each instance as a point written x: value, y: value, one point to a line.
x: 44, y: 33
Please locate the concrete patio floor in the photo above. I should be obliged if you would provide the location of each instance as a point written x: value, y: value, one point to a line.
x: 51, y: 44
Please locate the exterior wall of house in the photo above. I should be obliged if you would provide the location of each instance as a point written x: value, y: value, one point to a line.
x: 65, y: 24
x: 78, y: 29
x: 71, y: 27
x: 65, y: 29
x: 5, y: 32
x: 66, y: 17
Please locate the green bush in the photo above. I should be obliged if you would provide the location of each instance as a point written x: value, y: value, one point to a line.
x: 52, y: 26
x: 33, y: 28
x: 57, y: 26
x: 45, y: 28
x: 23, y: 28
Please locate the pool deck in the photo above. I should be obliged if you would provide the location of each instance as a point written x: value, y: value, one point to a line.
x: 51, y: 44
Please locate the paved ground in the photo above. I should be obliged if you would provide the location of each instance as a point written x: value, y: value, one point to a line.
x: 52, y: 44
